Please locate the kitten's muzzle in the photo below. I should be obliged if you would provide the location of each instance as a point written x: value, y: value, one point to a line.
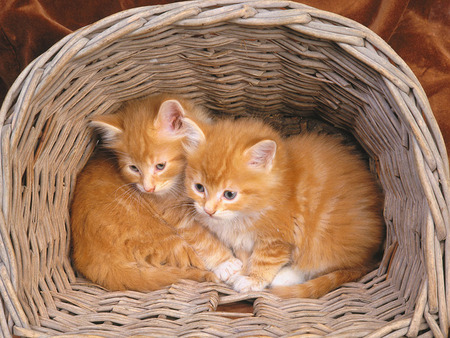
x: 210, y: 212
x: 150, y: 189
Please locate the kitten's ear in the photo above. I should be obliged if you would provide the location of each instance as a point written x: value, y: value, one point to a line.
x: 262, y: 154
x: 108, y: 125
x: 172, y: 121
x: 169, y: 117
x: 194, y: 135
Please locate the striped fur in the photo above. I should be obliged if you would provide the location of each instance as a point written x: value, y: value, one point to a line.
x: 130, y: 196
x: 306, y: 203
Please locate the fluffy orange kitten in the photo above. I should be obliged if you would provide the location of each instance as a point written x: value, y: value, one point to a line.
x: 303, y: 213
x: 126, y: 198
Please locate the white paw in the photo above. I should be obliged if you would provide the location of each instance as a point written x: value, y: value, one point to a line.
x: 246, y: 284
x: 228, y: 268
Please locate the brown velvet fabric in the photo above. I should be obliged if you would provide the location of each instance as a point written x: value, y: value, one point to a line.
x: 418, y: 30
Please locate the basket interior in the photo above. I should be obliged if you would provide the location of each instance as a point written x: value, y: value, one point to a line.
x: 277, y: 73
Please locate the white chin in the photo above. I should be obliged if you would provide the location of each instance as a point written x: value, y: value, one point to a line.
x: 218, y: 217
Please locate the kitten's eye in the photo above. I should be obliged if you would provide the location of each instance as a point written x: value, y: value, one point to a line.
x: 199, y: 187
x: 133, y: 168
x: 229, y: 195
x: 160, y: 166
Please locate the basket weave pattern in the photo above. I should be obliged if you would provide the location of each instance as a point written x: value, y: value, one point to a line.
x: 278, y: 60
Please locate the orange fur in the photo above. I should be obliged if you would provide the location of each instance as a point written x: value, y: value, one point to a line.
x: 124, y: 205
x: 306, y: 207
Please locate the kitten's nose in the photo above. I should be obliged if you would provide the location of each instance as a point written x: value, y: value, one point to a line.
x: 209, y: 211
x: 150, y: 189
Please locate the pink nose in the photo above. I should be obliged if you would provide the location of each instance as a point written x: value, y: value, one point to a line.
x: 209, y: 212
x: 150, y: 189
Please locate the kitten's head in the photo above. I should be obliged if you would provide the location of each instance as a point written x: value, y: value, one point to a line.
x: 149, y: 137
x: 234, y: 171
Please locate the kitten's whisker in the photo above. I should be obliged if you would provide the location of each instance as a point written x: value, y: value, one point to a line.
x: 192, y: 213
x: 126, y: 193
x: 179, y: 205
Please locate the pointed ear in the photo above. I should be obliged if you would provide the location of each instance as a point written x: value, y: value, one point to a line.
x: 262, y: 154
x: 194, y: 135
x: 108, y: 126
x: 168, y: 120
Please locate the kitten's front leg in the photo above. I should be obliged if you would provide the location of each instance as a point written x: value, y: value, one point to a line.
x: 265, y: 262
x: 216, y: 256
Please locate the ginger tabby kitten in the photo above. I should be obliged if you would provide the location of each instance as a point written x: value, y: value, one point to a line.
x: 304, y: 213
x: 124, y: 199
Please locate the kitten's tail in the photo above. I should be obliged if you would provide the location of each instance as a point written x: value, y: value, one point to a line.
x: 318, y: 287
x: 150, y: 278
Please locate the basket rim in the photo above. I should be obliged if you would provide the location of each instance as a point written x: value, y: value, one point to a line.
x: 76, y: 42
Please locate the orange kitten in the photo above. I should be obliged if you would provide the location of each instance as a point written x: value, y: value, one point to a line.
x: 123, y: 201
x: 303, y: 213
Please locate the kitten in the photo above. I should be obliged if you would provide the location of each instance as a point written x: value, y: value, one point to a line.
x: 303, y: 213
x: 122, y: 207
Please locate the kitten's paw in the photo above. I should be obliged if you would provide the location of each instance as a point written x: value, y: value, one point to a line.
x: 228, y: 268
x: 247, y: 284
x: 181, y: 254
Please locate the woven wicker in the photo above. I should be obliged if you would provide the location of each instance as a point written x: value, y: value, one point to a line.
x: 279, y: 60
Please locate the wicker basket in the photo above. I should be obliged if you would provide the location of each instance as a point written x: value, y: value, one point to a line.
x: 279, y: 60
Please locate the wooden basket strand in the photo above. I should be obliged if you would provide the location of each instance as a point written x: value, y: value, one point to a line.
x: 281, y: 61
